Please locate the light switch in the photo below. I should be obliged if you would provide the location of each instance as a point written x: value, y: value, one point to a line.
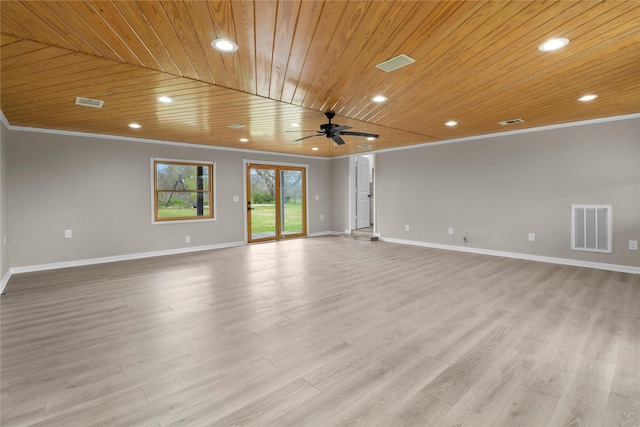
x: 68, y: 234
x: 532, y: 237
x: 317, y: 197
x: 450, y: 231
x: 633, y: 245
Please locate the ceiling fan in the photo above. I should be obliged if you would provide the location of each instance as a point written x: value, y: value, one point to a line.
x: 334, y: 131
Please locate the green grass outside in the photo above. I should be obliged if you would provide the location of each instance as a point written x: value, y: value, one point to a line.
x: 179, y: 212
x: 263, y: 218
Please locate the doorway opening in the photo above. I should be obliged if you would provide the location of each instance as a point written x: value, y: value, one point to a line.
x: 362, y: 195
x: 276, y: 200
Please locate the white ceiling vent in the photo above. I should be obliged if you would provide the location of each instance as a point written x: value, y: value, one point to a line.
x: 511, y: 122
x: 88, y: 102
x: 395, y: 63
x: 236, y: 126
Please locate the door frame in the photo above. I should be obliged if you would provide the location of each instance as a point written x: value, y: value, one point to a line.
x: 245, y: 163
x: 353, y: 194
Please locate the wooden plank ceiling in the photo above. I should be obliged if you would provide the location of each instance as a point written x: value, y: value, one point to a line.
x: 476, y: 63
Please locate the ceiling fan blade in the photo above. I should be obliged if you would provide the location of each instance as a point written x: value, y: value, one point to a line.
x: 302, y: 131
x: 305, y: 137
x: 340, y: 128
x: 336, y: 138
x: 368, y: 135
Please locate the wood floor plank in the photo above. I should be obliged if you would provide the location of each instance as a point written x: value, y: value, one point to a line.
x: 526, y: 407
x: 585, y: 398
x: 370, y: 408
x: 421, y: 410
x: 345, y: 332
x: 622, y: 411
x: 488, y: 396
x: 460, y: 376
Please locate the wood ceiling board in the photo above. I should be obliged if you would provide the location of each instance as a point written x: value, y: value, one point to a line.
x: 395, y: 21
x: 337, y: 50
x: 145, y: 32
x: 157, y: 19
x: 475, y: 61
x: 425, y: 45
x: 243, y: 19
x: 323, y: 36
x: 308, y: 16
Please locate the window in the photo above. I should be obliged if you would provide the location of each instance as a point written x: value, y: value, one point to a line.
x: 591, y: 228
x: 183, y: 190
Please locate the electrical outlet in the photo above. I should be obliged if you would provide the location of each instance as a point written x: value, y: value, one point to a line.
x: 406, y: 227
x: 450, y: 231
x: 633, y: 245
x: 187, y: 239
x: 532, y: 237
x: 236, y: 199
x: 68, y: 234
x: 321, y: 217
x: 317, y: 197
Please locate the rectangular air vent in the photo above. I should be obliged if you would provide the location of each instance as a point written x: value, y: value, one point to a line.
x: 88, y: 102
x: 591, y: 227
x: 236, y: 126
x: 395, y: 63
x: 511, y: 122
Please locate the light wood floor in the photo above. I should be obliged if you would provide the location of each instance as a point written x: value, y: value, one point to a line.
x: 321, y: 331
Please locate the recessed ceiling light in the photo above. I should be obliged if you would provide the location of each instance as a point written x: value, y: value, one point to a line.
x: 379, y: 98
x: 224, y: 45
x: 244, y: 140
x: 134, y: 126
x: 586, y: 98
x: 315, y: 148
x: 553, y: 44
x: 165, y: 99
x: 365, y: 146
x: 295, y: 125
x: 370, y: 138
x: 451, y: 123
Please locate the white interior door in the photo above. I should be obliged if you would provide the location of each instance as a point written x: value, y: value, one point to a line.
x: 363, y: 198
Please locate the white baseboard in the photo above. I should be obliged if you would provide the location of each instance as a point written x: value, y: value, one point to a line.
x: 528, y: 257
x: 324, y: 233
x: 103, y: 260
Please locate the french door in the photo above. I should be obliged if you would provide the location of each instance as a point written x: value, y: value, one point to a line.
x: 276, y: 202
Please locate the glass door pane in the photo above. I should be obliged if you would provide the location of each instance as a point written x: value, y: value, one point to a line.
x: 292, y: 201
x: 276, y: 202
x: 262, y: 214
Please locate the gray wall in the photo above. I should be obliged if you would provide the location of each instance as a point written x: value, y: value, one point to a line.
x: 340, y: 195
x: 101, y: 189
x: 501, y: 188
x: 4, y: 253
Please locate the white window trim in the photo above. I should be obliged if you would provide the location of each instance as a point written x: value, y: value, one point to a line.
x: 153, y: 186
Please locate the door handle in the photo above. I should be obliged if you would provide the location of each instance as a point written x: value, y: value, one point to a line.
x: 250, y: 209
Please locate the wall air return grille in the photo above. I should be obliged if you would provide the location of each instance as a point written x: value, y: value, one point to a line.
x: 395, y: 63
x: 88, y: 102
x: 591, y: 228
